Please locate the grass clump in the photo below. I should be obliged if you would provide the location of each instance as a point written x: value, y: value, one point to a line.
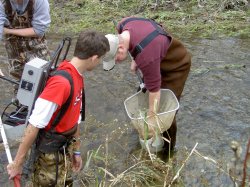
x: 182, y: 18
x: 158, y: 172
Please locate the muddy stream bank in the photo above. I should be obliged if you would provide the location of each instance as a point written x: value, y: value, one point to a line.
x: 214, y: 110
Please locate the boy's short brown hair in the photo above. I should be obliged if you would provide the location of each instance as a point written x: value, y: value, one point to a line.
x: 91, y: 43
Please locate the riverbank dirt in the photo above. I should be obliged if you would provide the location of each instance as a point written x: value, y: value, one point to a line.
x: 214, y: 110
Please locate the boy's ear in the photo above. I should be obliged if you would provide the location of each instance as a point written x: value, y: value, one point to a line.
x: 94, y: 57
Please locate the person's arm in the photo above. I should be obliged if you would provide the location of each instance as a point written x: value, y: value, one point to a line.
x: 154, y: 99
x: 40, y: 117
x: 77, y: 159
x: 133, y: 66
x: 27, y: 32
x: 40, y: 22
x: 41, y: 17
x: 29, y: 137
x: 3, y: 19
x: 77, y: 137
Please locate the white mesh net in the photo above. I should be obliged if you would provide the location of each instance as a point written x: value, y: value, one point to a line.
x: 137, y: 106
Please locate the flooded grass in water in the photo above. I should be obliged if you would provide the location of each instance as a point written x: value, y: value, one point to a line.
x: 140, y: 168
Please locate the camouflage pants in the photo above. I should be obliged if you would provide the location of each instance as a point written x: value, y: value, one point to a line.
x: 45, y: 170
x: 21, y: 50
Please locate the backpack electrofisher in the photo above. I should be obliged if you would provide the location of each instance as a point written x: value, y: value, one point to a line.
x: 33, y: 80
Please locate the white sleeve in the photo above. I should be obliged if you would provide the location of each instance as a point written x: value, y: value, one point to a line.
x: 80, y: 116
x: 41, y: 17
x: 3, y: 19
x: 79, y: 119
x: 42, y: 113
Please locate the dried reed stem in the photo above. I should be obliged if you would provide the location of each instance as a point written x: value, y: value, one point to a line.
x: 106, y: 159
x: 247, y: 159
x: 115, y: 180
x: 178, y: 172
x: 215, y: 163
x: 66, y: 165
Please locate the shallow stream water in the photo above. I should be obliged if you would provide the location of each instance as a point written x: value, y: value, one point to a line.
x: 214, y: 110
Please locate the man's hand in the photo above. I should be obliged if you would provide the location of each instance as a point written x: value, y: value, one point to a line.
x: 26, y: 32
x: 133, y: 66
x: 152, y: 124
x: 6, y: 30
x: 14, y: 169
x: 77, y: 163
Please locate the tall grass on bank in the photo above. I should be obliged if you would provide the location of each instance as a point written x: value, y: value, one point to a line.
x: 181, y: 17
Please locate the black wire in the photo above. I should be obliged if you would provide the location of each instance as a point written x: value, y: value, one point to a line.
x: 6, y: 109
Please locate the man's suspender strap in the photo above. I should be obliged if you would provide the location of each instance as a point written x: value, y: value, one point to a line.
x: 8, y: 10
x: 65, y: 106
x: 139, y: 47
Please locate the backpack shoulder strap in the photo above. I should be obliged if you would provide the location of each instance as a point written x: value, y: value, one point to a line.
x: 8, y: 10
x: 65, y: 106
x: 140, y: 46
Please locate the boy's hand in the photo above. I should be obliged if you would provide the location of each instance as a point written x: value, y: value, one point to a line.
x: 14, y: 170
x: 77, y: 163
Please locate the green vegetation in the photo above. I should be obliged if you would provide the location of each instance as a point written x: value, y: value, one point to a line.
x: 186, y: 18
x: 183, y: 18
x: 154, y: 170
